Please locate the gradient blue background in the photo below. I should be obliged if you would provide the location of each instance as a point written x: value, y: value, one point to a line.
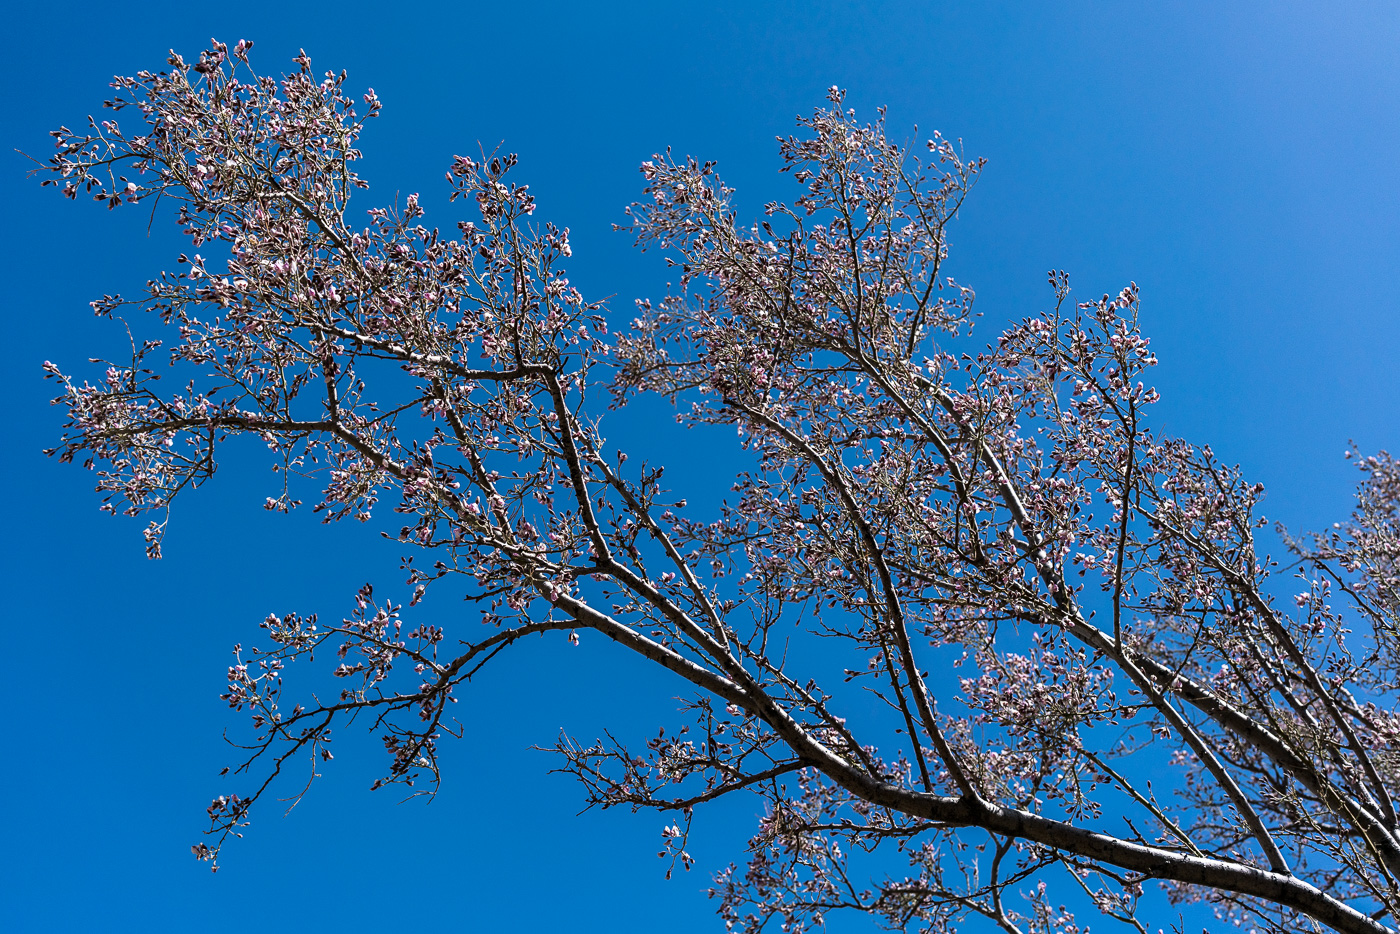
x: 1238, y: 161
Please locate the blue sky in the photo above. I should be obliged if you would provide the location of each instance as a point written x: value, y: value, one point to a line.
x: 1237, y: 161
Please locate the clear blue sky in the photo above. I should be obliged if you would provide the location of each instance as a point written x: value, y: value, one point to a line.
x: 1238, y: 161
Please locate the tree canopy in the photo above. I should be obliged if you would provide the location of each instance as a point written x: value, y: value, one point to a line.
x: 1050, y: 599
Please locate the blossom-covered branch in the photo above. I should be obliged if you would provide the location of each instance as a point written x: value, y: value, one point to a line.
x: 996, y: 546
